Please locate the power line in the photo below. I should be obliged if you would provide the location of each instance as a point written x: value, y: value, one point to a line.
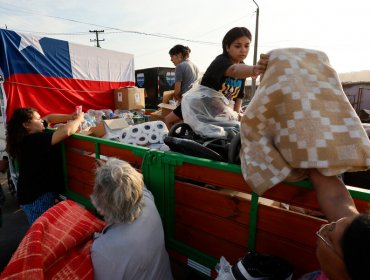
x: 159, y: 35
x: 83, y: 33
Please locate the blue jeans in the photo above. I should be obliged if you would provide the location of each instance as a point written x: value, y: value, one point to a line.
x: 39, y: 206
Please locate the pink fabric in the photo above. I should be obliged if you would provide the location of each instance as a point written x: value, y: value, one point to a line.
x: 322, y: 277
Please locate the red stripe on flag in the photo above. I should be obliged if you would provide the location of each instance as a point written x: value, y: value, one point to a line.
x: 58, y: 95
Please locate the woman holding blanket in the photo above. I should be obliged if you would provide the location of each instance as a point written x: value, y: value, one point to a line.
x: 300, y: 125
x: 227, y: 72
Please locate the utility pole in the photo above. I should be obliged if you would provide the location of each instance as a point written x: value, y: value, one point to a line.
x: 97, y: 40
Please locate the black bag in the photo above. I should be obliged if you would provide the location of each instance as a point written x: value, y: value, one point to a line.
x: 259, y: 266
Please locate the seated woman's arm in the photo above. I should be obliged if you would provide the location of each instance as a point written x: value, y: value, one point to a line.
x: 68, y: 129
x: 177, y: 89
x: 59, y: 118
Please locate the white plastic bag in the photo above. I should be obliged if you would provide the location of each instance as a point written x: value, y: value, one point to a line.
x: 208, y: 112
x: 223, y: 269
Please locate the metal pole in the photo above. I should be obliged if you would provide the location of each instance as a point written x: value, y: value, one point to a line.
x: 97, y: 40
x: 253, y: 87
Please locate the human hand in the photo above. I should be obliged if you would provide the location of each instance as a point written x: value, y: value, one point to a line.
x: 264, y: 59
x: 177, y: 96
x: 78, y: 116
x: 240, y: 116
x: 74, y: 116
x: 261, y: 66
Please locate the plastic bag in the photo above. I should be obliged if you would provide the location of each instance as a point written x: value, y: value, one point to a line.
x: 208, y: 112
x: 223, y: 269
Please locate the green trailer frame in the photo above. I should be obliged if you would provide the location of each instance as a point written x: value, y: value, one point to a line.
x: 166, y: 172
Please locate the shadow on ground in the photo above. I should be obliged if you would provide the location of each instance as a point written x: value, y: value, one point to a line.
x: 14, y: 225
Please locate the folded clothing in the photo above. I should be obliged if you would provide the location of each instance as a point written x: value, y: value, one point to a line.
x: 300, y: 118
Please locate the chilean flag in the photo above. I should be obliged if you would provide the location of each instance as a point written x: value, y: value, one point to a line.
x: 53, y: 76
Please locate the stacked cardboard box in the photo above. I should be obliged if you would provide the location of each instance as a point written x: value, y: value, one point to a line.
x: 165, y: 107
x: 108, y: 127
x: 129, y: 98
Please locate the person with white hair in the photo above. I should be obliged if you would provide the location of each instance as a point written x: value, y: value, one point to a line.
x: 132, y: 245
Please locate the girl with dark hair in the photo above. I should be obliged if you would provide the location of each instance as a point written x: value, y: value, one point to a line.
x: 38, y: 156
x: 227, y: 73
x: 186, y: 74
x: 355, y: 245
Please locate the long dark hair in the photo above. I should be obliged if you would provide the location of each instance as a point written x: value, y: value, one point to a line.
x: 234, y: 34
x: 356, y: 247
x: 15, y: 131
x: 184, y: 50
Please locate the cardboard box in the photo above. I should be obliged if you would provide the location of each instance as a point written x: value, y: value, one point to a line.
x: 109, y: 127
x: 129, y: 98
x: 166, y: 108
x: 156, y: 116
x: 167, y: 96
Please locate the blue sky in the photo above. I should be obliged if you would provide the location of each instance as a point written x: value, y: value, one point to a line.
x: 339, y: 28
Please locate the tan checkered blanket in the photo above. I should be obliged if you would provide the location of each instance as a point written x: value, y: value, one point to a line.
x: 300, y: 118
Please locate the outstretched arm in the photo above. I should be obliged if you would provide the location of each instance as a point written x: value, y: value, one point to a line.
x: 59, y: 118
x: 242, y: 71
x: 68, y: 129
x: 333, y: 197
